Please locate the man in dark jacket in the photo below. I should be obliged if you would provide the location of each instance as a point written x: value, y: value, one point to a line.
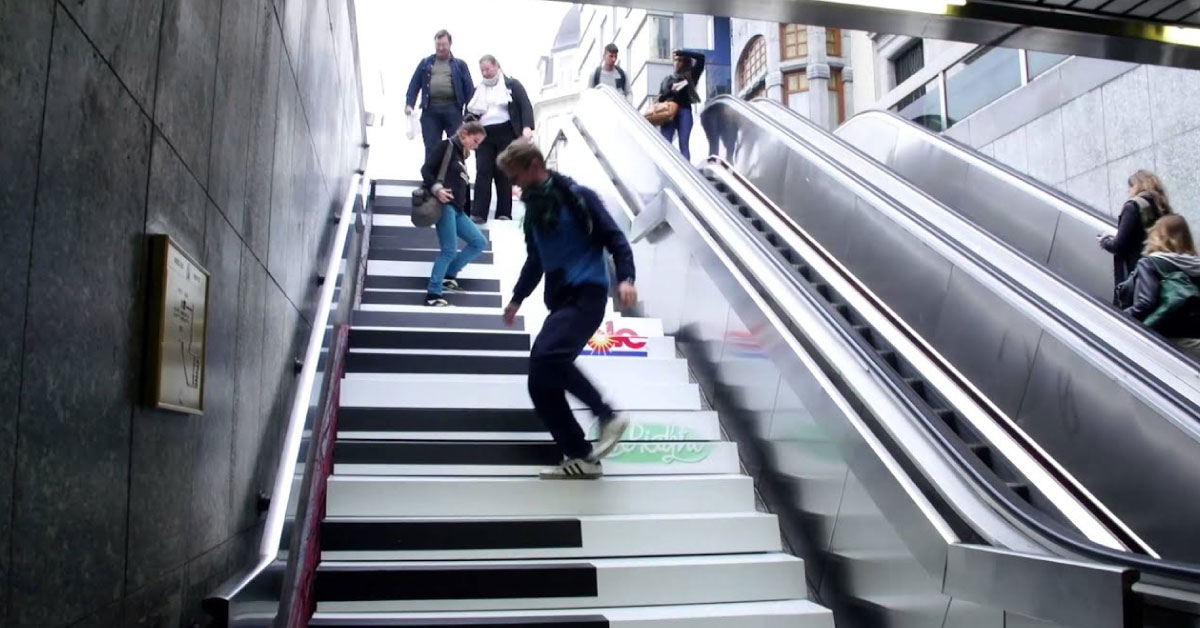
x: 445, y: 86
x: 567, y: 231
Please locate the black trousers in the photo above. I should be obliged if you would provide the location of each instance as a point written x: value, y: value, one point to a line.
x: 552, y: 370
x: 499, y: 136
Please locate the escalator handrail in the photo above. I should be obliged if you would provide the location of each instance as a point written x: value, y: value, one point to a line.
x: 977, y: 159
x: 1186, y: 415
x: 1064, y: 204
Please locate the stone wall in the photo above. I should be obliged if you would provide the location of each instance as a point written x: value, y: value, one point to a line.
x: 233, y: 126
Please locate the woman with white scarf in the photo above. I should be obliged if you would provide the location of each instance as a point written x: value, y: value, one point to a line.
x: 502, y: 106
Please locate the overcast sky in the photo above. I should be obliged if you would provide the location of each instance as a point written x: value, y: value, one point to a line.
x: 395, y: 34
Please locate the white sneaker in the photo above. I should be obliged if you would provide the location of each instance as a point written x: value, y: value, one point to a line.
x: 573, y: 469
x: 611, y: 433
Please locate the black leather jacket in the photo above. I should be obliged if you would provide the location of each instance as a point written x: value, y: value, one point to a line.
x: 687, y: 96
x: 1141, y: 292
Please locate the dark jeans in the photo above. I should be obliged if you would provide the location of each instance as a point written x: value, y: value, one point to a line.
x: 499, y: 136
x: 682, y: 124
x: 438, y: 119
x: 552, y: 370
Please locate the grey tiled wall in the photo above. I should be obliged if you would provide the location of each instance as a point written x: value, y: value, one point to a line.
x: 1145, y: 117
x: 233, y: 126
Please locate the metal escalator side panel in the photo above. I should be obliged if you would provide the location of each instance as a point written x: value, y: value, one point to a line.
x: 1049, y: 227
x: 1160, y: 453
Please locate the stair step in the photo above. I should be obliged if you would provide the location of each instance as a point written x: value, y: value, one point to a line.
x: 420, y: 255
x: 543, y: 584
x: 397, y: 367
x: 483, y: 424
x: 375, y: 496
x: 406, y: 238
x: 441, y: 320
x: 437, y: 340
x: 403, y: 268
x: 574, y: 537
x: 774, y: 614
x: 461, y: 458
x: 385, y: 282
x: 451, y: 392
x: 413, y: 297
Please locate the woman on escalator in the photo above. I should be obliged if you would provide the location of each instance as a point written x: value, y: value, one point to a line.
x: 1147, y: 203
x: 1163, y: 288
x: 680, y: 88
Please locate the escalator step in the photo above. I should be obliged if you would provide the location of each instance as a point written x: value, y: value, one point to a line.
x: 865, y: 332
x: 917, y: 384
x: 744, y: 211
x: 804, y: 269
x: 757, y: 222
x: 773, y: 239
x: 842, y: 309
x: 786, y: 253
x: 822, y: 289
x: 1020, y: 488
x: 981, y: 451
x: 889, y: 356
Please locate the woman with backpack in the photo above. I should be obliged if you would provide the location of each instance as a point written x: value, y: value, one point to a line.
x: 1147, y: 203
x: 1162, y: 291
x: 453, y: 190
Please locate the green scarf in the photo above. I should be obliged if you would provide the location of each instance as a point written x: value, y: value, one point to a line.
x: 542, y: 203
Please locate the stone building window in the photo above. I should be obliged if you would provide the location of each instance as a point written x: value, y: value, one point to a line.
x: 833, y: 42
x: 794, y: 83
x: 794, y: 38
x: 753, y: 63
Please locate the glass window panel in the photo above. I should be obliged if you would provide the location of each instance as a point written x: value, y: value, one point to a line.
x: 795, y: 41
x: 979, y: 80
x: 923, y: 106
x: 1040, y: 62
x: 753, y: 62
x: 660, y: 42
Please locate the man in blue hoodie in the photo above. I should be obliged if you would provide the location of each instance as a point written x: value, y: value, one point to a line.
x: 445, y: 86
x: 567, y: 231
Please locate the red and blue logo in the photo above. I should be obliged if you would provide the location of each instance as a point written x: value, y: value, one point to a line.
x: 617, y: 342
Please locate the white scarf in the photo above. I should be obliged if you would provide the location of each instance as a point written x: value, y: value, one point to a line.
x: 491, y: 92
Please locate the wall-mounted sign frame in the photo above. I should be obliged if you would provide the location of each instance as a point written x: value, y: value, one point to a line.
x: 176, y: 328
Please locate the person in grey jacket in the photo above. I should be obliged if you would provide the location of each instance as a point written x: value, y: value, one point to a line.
x: 1169, y: 248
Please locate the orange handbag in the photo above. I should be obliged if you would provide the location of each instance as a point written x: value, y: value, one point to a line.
x: 662, y: 112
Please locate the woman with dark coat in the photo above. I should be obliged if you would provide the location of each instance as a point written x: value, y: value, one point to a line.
x: 680, y: 88
x: 454, y: 192
x: 1147, y: 203
x: 502, y: 106
x: 1169, y: 248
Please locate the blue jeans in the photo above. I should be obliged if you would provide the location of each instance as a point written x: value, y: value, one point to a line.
x: 683, y: 125
x: 437, y: 120
x: 450, y: 227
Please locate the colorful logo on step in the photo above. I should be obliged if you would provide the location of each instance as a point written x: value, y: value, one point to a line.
x: 661, y: 453
x: 608, y: 340
x: 660, y: 443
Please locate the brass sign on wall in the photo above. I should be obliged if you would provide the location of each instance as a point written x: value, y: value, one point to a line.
x: 176, y: 328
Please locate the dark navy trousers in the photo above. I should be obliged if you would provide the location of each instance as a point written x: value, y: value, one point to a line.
x: 552, y: 370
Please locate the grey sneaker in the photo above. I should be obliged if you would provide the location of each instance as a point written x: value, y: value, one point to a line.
x: 573, y: 469
x: 436, y: 300
x: 451, y: 285
x: 611, y: 432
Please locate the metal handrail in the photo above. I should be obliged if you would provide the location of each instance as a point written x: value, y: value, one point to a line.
x: 268, y: 548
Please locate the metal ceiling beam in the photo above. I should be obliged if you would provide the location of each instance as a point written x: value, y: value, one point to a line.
x: 1010, y: 23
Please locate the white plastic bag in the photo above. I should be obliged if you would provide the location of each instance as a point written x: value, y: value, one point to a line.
x: 414, y: 126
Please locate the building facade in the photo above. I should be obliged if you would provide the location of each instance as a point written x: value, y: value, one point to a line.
x: 646, y: 40
x: 807, y: 68
x: 1081, y: 125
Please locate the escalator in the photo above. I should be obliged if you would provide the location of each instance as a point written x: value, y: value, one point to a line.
x: 1038, y: 502
x: 1102, y: 399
